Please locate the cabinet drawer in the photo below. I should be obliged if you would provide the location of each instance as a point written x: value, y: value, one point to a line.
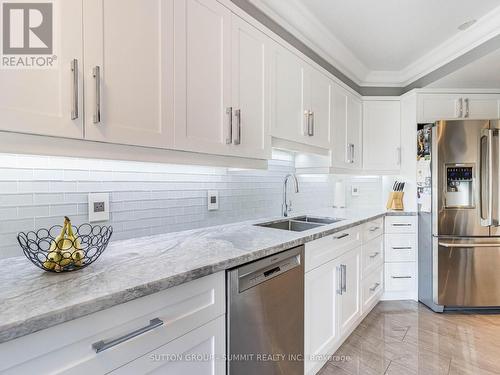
x: 372, y: 287
x: 373, y: 229
x: 372, y: 255
x: 399, y: 277
x: 320, y: 251
x: 200, y: 351
x: 401, y: 224
x: 400, y: 248
x: 180, y: 309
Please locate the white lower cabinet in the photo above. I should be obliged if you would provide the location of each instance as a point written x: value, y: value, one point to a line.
x: 337, y: 292
x: 198, y: 352
x: 321, y: 314
x: 349, y: 269
x: 185, y: 320
x: 401, y: 257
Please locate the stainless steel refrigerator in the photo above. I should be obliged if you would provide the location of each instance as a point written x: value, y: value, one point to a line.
x: 459, y: 237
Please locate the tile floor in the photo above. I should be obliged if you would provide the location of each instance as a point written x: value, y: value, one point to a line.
x: 404, y: 337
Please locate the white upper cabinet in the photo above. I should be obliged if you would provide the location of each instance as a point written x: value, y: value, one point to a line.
x: 203, y: 115
x: 381, y: 135
x: 129, y: 71
x: 346, y: 130
x: 434, y: 107
x: 300, y: 100
x: 317, y: 95
x: 221, y: 88
x: 48, y: 100
x: 250, y: 91
x: 287, y: 81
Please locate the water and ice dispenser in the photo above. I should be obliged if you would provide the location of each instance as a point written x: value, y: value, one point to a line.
x: 459, y: 186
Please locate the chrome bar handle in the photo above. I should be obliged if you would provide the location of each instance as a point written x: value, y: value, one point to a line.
x: 352, y: 153
x: 461, y: 107
x: 344, y: 278
x: 74, y: 70
x: 103, y: 345
x: 374, y: 254
x: 229, y: 113
x: 237, y: 114
x: 374, y: 287
x: 343, y: 235
x: 466, y: 107
x: 373, y: 229
x: 401, y: 277
x: 96, y: 73
x: 348, y: 153
x: 310, y: 124
x: 340, y: 278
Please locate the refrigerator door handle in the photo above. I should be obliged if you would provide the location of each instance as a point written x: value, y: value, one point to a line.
x: 467, y: 245
x: 486, y: 178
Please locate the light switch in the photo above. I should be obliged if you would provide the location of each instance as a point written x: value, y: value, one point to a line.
x: 213, y: 200
x: 98, y: 207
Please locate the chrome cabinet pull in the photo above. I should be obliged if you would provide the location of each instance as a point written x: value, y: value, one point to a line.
x: 461, y: 107
x: 401, y: 225
x: 352, y: 153
x: 339, y: 281
x: 348, y: 153
x: 74, y: 70
x: 402, y: 248
x: 401, y: 277
x: 237, y: 114
x: 96, y: 73
x: 466, y: 100
x: 310, y: 127
x: 374, y: 287
x: 103, y: 345
x: 343, y: 235
x: 344, y: 278
x: 229, y: 113
x: 374, y: 255
x: 373, y: 229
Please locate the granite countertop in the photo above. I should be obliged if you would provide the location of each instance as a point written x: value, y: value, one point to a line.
x: 32, y: 300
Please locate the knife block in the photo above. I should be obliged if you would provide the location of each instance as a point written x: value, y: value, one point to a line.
x: 395, y: 201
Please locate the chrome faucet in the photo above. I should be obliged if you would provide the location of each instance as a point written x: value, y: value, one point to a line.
x: 286, y: 207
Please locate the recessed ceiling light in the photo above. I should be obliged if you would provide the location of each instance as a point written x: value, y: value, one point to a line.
x: 466, y: 25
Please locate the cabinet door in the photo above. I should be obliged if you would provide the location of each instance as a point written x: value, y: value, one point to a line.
x: 481, y: 107
x: 41, y: 100
x: 318, y: 92
x: 339, y: 127
x: 381, y: 135
x: 354, y: 132
x: 203, y: 76
x: 250, y: 91
x: 320, y: 313
x: 199, y: 352
x: 350, y: 299
x: 131, y: 41
x: 434, y: 107
x: 287, y: 85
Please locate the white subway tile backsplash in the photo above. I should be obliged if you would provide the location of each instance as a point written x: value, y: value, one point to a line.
x: 147, y: 198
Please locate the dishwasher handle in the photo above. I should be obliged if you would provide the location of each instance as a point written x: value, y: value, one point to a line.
x: 261, y: 271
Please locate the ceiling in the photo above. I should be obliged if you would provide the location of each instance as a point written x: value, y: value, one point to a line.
x: 387, y: 42
x: 480, y: 74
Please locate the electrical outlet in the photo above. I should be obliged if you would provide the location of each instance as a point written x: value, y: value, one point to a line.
x: 98, y: 207
x: 213, y: 200
x: 354, y: 191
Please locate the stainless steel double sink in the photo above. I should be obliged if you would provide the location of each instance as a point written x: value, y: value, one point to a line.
x: 300, y: 223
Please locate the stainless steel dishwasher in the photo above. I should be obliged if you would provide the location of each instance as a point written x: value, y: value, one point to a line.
x: 265, y: 319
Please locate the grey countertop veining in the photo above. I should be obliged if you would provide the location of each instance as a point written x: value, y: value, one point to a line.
x: 32, y: 300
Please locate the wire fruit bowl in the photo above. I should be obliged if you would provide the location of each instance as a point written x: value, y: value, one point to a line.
x: 65, y: 248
